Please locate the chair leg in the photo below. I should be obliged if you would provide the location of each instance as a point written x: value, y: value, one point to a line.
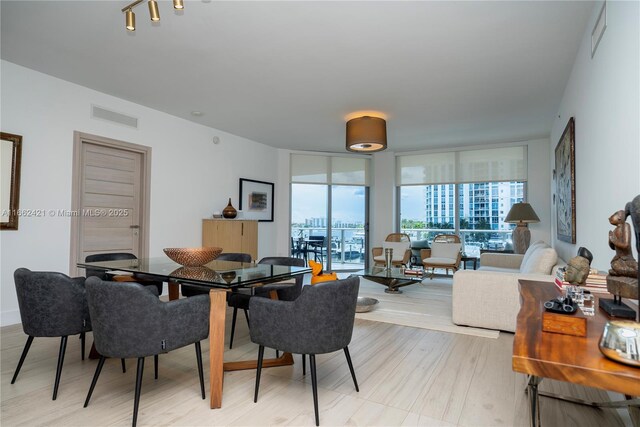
x: 258, y: 372
x: 246, y: 316
x: 353, y: 373
x: 233, y: 326
x: 124, y: 366
x: 155, y: 366
x: 95, y: 379
x: 82, y: 341
x: 199, y: 361
x: 136, y: 398
x: 314, y: 386
x: 304, y: 364
x: 63, y: 349
x: 27, y: 346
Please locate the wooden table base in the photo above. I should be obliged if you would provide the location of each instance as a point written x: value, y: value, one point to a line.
x: 217, y: 367
x: 174, y: 290
x: 217, y: 316
x: 284, y: 360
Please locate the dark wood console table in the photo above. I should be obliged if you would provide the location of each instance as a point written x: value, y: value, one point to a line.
x: 567, y: 358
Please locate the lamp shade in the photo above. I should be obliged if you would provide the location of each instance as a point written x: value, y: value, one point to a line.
x: 523, y: 213
x: 366, y: 134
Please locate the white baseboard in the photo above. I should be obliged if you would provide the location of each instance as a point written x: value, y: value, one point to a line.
x: 10, y: 317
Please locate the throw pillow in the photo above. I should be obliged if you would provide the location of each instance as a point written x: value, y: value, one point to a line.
x: 445, y: 250
x: 399, y: 249
x: 541, y: 261
x: 530, y: 250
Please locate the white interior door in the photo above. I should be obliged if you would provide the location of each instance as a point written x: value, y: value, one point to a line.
x: 110, y: 201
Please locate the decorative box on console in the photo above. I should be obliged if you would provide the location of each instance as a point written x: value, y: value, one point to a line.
x: 567, y: 324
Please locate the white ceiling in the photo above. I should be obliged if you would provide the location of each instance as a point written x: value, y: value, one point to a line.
x: 288, y: 73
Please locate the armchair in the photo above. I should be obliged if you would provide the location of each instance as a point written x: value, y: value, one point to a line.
x: 286, y: 291
x: 51, y: 305
x: 319, y: 321
x: 444, y: 253
x: 126, y: 318
x: 401, y: 245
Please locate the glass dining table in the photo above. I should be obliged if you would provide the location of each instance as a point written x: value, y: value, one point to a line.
x: 218, y: 277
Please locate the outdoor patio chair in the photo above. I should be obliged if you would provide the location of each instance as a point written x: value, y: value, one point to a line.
x: 400, y: 243
x: 444, y: 253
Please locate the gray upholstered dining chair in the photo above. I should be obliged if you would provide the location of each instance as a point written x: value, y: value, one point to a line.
x: 290, y: 292
x: 129, y: 321
x: 154, y: 286
x: 319, y: 321
x: 189, y: 291
x: 51, y: 305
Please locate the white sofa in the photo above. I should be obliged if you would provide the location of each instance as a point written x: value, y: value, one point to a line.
x: 489, y: 297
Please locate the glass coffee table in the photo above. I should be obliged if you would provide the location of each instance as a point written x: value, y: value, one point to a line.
x: 393, y: 278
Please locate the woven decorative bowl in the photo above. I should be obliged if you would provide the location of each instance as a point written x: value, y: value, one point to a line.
x: 192, y: 257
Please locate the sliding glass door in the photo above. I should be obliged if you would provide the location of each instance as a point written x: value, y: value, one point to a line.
x: 339, y: 211
x: 309, y: 221
x: 348, y: 227
x: 329, y: 210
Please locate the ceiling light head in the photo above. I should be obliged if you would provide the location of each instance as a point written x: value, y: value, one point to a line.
x: 177, y: 4
x: 130, y: 18
x: 366, y: 134
x: 196, y: 113
x: 153, y: 10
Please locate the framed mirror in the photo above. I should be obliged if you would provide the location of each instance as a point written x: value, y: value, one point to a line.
x: 10, y: 156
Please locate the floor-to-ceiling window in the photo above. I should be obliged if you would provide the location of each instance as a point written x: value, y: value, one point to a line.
x: 464, y: 192
x: 329, y: 216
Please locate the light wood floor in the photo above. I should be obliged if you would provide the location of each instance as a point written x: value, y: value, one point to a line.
x: 407, y: 376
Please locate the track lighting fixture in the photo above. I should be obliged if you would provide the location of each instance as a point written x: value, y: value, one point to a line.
x: 154, y: 12
x: 131, y: 20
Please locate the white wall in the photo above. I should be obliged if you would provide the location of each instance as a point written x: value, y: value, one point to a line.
x: 603, y: 94
x: 382, y: 215
x: 190, y: 177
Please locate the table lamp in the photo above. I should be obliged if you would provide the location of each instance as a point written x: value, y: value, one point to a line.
x: 521, y: 214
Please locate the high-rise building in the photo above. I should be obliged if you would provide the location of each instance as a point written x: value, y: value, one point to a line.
x: 482, y: 205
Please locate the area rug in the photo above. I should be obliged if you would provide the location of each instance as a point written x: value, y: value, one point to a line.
x: 425, y: 305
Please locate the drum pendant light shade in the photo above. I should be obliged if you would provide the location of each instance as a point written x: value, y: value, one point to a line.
x: 366, y: 134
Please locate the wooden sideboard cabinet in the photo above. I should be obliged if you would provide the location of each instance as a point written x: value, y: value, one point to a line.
x: 231, y: 235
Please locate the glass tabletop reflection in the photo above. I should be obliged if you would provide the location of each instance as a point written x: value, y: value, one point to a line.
x: 392, y: 273
x: 227, y: 274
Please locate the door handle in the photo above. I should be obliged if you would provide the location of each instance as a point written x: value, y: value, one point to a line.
x: 134, y: 226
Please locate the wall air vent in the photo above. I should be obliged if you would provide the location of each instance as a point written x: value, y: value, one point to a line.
x: 112, y: 116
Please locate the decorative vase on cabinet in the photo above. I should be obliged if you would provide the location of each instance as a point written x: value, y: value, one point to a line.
x: 229, y: 212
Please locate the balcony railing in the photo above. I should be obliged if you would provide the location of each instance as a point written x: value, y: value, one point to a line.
x: 347, y: 245
x: 472, y: 240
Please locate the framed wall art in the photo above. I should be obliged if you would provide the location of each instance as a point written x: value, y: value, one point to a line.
x: 565, y: 178
x: 10, y: 163
x: 256, y: 200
